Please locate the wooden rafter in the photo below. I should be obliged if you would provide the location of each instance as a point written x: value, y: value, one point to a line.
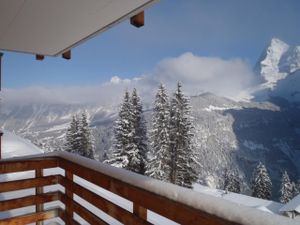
x: 39, y: 57
x: 138, y: 20
x: 67, y: 55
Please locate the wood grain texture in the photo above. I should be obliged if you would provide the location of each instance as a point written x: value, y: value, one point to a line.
x: 171, y: 209
x: 83, y: 212
x: 29, y: 164
x: 31, y: 218
x: 138, y: 20
x: 142, y: 199
x: 38, y: 191
x: 28, y: 183
x: 69, y: 221
x: 29, y: 200
x: 39, y: 57
x: 70, y: 195
x: 103, y: 204
x: 140, y: 211
x: 67, y: 55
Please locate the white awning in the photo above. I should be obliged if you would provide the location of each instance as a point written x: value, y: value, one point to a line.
x: 51, y: 27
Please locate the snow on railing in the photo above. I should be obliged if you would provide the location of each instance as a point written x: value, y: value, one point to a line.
x: 134, y: 195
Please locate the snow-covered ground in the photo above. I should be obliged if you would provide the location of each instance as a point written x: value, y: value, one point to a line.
x: 15, y: 146
x: 257, y: 203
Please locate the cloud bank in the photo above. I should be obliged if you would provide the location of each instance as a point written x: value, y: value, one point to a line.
x: 224, y: 77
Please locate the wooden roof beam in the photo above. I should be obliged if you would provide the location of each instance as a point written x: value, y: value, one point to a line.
x: 39, y: 57
x: 67, y: 55
x: 138, y: 20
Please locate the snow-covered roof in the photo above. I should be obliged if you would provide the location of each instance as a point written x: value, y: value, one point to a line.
x: 55, y: 26
x: 210, y: 204
x: 13, y: 146
x: 292, y: 206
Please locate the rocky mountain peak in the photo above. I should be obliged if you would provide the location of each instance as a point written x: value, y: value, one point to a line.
x: 268, y: 65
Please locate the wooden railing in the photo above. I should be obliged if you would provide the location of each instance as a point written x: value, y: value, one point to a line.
x: 120, y: 183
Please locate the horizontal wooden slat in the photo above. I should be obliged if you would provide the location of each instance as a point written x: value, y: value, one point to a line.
x: 29, y: 200
x: 83, y: 212
x: 106, y: 206
x: 63, y: 215
x: 173, y: 210
x: 28, y: 183
x: 25, y: 165
x: 31, y: 218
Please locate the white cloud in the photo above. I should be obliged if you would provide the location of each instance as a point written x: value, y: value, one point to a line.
x: 118, y: 80
x: 206, y: 74
x: 197, y: 74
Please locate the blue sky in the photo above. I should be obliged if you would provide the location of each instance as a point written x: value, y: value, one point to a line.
x: 207, y: 28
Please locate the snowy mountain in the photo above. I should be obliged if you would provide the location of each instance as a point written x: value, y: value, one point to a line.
x: 238, y: 135
x: 288, y: 88
x: 45, y: 124
x: 278, y: 72
x: 277, y: 61
x: 228, y: 134
x: 268, y: 65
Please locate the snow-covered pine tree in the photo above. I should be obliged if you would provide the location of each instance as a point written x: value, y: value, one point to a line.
x: 78, y: 137
x: 159, y: 166
x: 86, y: 145
x: 137, y: 149
x: 72, y: 143
x: 232, y: 181
x: 286, y: 189
x: 122, y: 135
x: 261, y: 183
x: 183, y: 160
x: 296, y: 188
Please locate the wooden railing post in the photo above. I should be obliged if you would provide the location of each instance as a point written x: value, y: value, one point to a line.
x: 140, y: 211
x: 39, y: 190
x: 69, y: 193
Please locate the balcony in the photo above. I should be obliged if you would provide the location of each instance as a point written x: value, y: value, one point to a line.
x: 145, y: 197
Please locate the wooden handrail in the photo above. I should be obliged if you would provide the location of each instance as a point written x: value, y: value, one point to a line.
x: 104, y: 205
x: 142, y: 199
x: 11, y: 166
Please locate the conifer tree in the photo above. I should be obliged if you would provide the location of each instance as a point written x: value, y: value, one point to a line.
x: 72, y: 136
x: 261, y: 183
x: 232, y: 182
x: 137, y: 148
x: 130, y: 150
x: 86, y: 145
x: 123, y: 135
x: 183, y: 161
x: 286, y: 190
x: 159, y: 166
x: 296, y: 188
x: 78, y: 137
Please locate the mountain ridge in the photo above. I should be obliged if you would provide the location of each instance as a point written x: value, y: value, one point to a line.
x: 228, y: 133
